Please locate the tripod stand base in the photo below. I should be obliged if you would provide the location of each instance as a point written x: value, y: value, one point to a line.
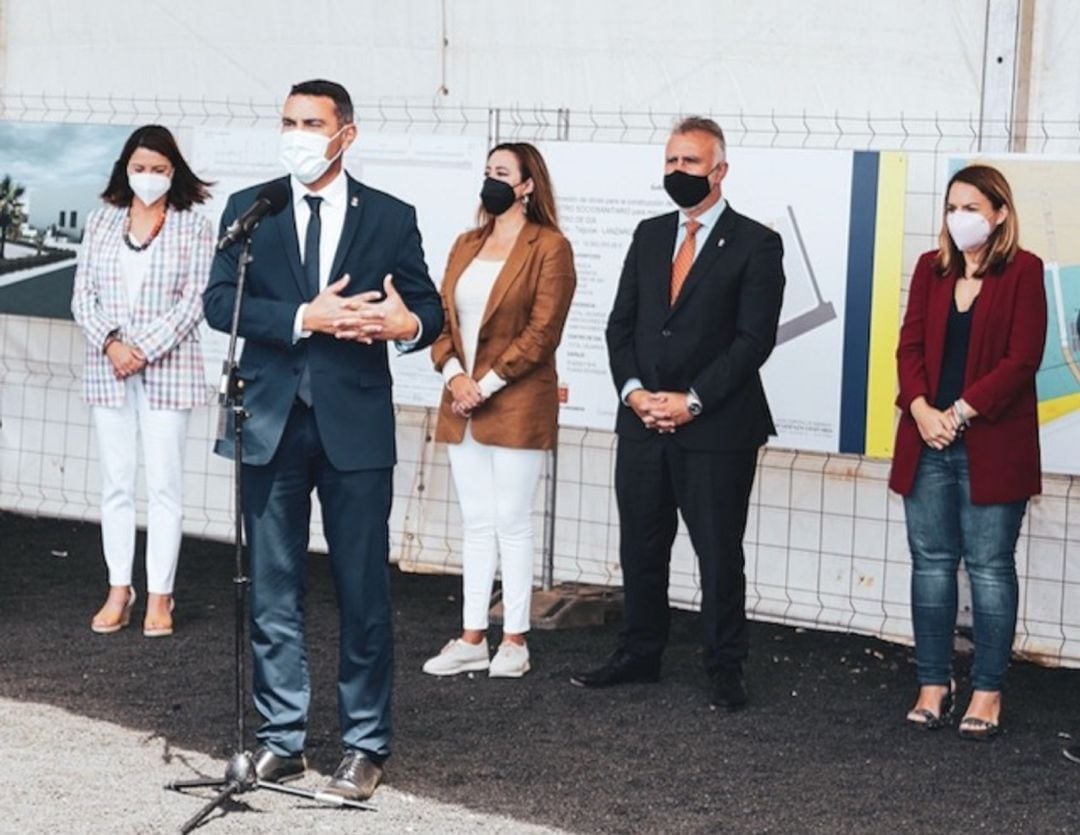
x: 240, y: 777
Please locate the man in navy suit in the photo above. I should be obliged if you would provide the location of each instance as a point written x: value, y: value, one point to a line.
x: 335, y: 276
x: 694, y: 319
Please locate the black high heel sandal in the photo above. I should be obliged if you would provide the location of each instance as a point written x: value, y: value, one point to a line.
x: 927, y: 721
x: 980, y: 730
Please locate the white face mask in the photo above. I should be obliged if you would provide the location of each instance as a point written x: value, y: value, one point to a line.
x: 149, y: 188
x: 969, y: 230
x: 303, y: 153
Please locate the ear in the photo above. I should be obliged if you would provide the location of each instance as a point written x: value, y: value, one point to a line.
x: 1002, y: 214
x: 528, y: 187
x: 348, y: 136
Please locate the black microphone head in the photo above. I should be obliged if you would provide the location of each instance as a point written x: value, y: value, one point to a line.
x: 276, y: 195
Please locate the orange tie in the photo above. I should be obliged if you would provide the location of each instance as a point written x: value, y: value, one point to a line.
x: 684, y: 259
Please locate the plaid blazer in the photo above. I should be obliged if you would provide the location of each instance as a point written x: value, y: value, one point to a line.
x: 162, y: 323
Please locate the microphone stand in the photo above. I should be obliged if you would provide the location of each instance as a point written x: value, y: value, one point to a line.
x: 240, y: 776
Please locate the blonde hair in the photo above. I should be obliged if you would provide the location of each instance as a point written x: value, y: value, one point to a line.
x: 1004, y: 240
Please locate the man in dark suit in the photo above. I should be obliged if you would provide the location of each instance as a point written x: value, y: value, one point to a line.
x: 335, y: 276
x: 694, y: 319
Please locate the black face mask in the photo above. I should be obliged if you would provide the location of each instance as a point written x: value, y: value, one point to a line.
x: 497, y: 196
x: 687, y: 190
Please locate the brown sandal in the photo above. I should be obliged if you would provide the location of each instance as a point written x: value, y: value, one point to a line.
x: 103, y: 625
x: 159, y: 628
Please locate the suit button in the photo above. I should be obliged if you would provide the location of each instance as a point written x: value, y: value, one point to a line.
x: 665, y: 333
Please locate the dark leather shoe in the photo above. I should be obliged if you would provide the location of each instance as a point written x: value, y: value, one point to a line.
x: 728, y: 690
x: 276, y: 769
x: 356, y: 777
x: 621, y: 668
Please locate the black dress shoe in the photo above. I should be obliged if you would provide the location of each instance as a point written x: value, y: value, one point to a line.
x: 728, y: 690
x: 356, y: 777
x: 621, y: 668
x: 276, y: 769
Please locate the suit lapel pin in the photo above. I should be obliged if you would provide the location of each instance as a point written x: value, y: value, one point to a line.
x: 721, y: 242
x: 355, y: 201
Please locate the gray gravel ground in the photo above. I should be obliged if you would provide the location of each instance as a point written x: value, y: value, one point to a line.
x: 68, y: 774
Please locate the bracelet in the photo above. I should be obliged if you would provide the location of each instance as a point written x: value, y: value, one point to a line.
x: 961, y: 415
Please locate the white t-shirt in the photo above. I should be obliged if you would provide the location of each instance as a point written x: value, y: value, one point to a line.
x: 133, y: 269
x: 470, y: 300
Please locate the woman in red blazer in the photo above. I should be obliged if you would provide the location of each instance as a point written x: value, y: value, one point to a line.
x: 967, y: 446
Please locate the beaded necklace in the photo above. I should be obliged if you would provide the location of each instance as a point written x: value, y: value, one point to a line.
x: 153, y: 233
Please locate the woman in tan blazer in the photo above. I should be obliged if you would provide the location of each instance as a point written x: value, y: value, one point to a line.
x: 506, y: 292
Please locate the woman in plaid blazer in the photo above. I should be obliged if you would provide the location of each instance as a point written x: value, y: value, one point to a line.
x: 138, y: 299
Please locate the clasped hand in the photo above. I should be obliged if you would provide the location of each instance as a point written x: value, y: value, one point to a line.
x: 466, y: 393
x: 371, y: 316
x: 937, y: 428
x: 663, y: 411
x: 126, y: 359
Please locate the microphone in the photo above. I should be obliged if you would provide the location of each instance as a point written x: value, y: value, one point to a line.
x: 271, y: 199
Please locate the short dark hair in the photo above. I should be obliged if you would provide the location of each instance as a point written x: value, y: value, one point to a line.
x: 186, y: 188
x: 701, y: 124
x: 343, y: 108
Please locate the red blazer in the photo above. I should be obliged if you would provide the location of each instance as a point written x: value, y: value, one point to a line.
x: 1008, y: 333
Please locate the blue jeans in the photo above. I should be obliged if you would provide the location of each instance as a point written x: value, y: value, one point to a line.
x: 942, y: 526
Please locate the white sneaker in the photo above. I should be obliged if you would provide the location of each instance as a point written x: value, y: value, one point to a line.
x: 458, y: 656
x: 511, y: 661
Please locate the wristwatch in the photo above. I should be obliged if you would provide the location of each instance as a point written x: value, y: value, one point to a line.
x: 693, y: 403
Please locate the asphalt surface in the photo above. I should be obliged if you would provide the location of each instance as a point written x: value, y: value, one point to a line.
x: 822, y: 748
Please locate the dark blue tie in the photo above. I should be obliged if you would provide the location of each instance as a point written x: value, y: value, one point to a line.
x: 311, y: 272
x: 311, y: 246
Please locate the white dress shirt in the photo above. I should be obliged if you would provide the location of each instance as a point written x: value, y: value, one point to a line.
x: 335, y: 203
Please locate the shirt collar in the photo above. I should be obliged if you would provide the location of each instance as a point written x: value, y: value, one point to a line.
x: 708, y: 218
x: 333, y: 193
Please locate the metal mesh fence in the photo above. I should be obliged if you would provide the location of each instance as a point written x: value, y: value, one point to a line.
x: 825, y: 542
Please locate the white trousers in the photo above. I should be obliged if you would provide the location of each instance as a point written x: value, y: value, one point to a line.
x: 163, y: 433
x: 495, y: 486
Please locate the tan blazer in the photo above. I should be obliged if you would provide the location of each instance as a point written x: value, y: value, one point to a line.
x: 521, y: 329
